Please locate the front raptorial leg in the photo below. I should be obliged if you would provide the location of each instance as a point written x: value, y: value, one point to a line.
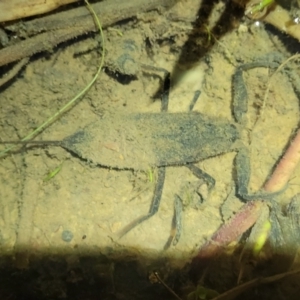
x: 240, y: 95
x: 154, y: 205
x: 242, y: 167
x: 240, y: 108
x: 243, y: 170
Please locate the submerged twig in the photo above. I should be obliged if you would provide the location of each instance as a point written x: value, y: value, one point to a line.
x: 228, y: 232
x: 14, y: 71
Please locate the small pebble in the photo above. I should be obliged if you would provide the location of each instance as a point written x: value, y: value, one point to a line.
x: 67, y: 236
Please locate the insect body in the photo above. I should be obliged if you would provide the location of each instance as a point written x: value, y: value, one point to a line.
x: 142, y: 141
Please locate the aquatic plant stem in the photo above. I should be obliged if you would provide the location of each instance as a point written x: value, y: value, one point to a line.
x: 286, y: 166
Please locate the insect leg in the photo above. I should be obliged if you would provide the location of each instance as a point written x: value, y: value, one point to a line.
x: 177, y: 218
x: 176, y: 223
x: 242, y: 165
x: 240, y: 95
x: 210, y: 181
x: 154, y: 205
x: 240, y: 107
x: 166, y: 85
x: 166, y: 92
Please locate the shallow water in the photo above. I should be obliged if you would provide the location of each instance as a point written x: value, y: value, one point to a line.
x: 82, y: 208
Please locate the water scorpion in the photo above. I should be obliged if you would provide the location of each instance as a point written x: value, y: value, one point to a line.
x: 139, y: 141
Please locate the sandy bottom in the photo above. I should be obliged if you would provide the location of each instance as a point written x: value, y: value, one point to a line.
x: 80, y: 211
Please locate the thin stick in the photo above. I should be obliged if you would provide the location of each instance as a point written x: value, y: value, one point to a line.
x: 166, y: 286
